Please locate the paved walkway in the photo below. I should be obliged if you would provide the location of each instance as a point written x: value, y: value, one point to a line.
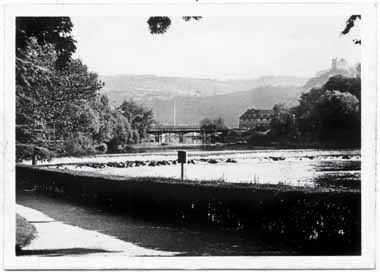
x: 55, y: 238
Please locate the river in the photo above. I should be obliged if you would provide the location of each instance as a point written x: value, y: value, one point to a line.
x: 301, y: 167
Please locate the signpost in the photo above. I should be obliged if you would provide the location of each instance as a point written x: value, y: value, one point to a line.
x: 182, y: 160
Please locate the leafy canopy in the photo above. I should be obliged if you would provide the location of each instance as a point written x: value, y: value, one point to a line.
x: 55, y: 31
x: 160, y: 24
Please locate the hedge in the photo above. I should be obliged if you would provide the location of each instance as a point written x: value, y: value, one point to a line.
x: 311, y: 219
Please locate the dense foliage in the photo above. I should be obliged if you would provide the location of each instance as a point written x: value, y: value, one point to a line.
x: 283, y: 122
x: 55, y: 31
x: 59, y: 110
x: 139, y: 117
x: 332, y: 113
x: 350, y: 23
x: 51, y: 102
x: 160, y: 24
x: 325, y: 116
x: 212, y: 125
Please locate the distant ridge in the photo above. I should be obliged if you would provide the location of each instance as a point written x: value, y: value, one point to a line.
x: 198, y: 98
x: 142, y: 87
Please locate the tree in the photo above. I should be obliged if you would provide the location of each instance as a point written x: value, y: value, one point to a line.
x: 79, y: 144
x: 76, y: 118
x: 331, y: 113
x: 350, y: 23
x: 305, y: 124
x: 49, y: 92
x: 338, y: 117
x: 33, y: 78
x: 57, y: 98
x: 51, y: 102
x: 283, y: 122
x: 212, y: 125
x: 345, y: 84
x: 160, y: 24
x: 106, y: 119
x: 55, y: 31
x: 139, y: 117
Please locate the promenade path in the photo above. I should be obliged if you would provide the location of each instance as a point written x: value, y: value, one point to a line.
x: 69, y: 228
x: 55, y: 238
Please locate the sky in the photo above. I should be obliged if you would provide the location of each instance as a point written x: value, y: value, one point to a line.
x: 215, y: 47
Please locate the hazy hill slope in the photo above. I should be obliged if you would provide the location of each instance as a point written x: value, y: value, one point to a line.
x: 338, y: 67
x: 148, y: 87
x: 200, y: 98
x: 190, y: 110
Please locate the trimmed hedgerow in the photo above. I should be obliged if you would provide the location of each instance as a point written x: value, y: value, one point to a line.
x: 312, y: 219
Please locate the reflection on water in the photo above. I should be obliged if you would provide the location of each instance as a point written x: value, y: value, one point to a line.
x: 292, y: 167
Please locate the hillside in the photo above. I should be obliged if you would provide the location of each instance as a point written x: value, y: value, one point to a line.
x: 190, y: 110
x: 338, y: 67
x: 148, y: 87
x: 196, y: 99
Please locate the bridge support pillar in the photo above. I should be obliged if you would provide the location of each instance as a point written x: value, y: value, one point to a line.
x: 180, y: 136
x: 157, y: 138
x: 204, y: 137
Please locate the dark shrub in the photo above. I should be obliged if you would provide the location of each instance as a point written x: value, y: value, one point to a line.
x: 79, y: 144
x: 25, y: 232
x: 101, y: 148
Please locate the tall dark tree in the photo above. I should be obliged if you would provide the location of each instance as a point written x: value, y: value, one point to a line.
x: 52, y: 34
x: 283, y: 123
x: 50, y: 101
x: 46, y: 30
x: 331, y: 114
x: 338, y: 117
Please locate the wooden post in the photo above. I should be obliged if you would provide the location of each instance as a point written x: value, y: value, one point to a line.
x: 182, y: 160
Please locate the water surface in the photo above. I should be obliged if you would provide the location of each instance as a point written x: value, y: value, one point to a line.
x: 292, y: 167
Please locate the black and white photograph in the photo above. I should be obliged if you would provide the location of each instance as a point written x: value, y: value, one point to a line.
x: 189, y: 137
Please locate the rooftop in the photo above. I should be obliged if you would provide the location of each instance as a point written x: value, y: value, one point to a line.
x: 253, y: 113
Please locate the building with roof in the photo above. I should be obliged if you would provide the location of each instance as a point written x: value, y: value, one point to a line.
x: 255, y: 119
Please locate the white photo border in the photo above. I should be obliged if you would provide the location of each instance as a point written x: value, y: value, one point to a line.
x: 368, y: 11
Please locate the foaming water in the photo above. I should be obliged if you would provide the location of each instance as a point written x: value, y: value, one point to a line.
x: 292, y: 167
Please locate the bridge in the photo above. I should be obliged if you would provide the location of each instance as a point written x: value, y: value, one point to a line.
x: 159, y: 131
x: 174, y: 129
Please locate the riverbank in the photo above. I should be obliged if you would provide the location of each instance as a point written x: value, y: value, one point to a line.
x: 312, y: 220
x: 243, y: 145
x: 55, y: 238
x: 149, y: 233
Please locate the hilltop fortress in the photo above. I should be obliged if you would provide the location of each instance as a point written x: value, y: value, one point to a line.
x: 339, y: 66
